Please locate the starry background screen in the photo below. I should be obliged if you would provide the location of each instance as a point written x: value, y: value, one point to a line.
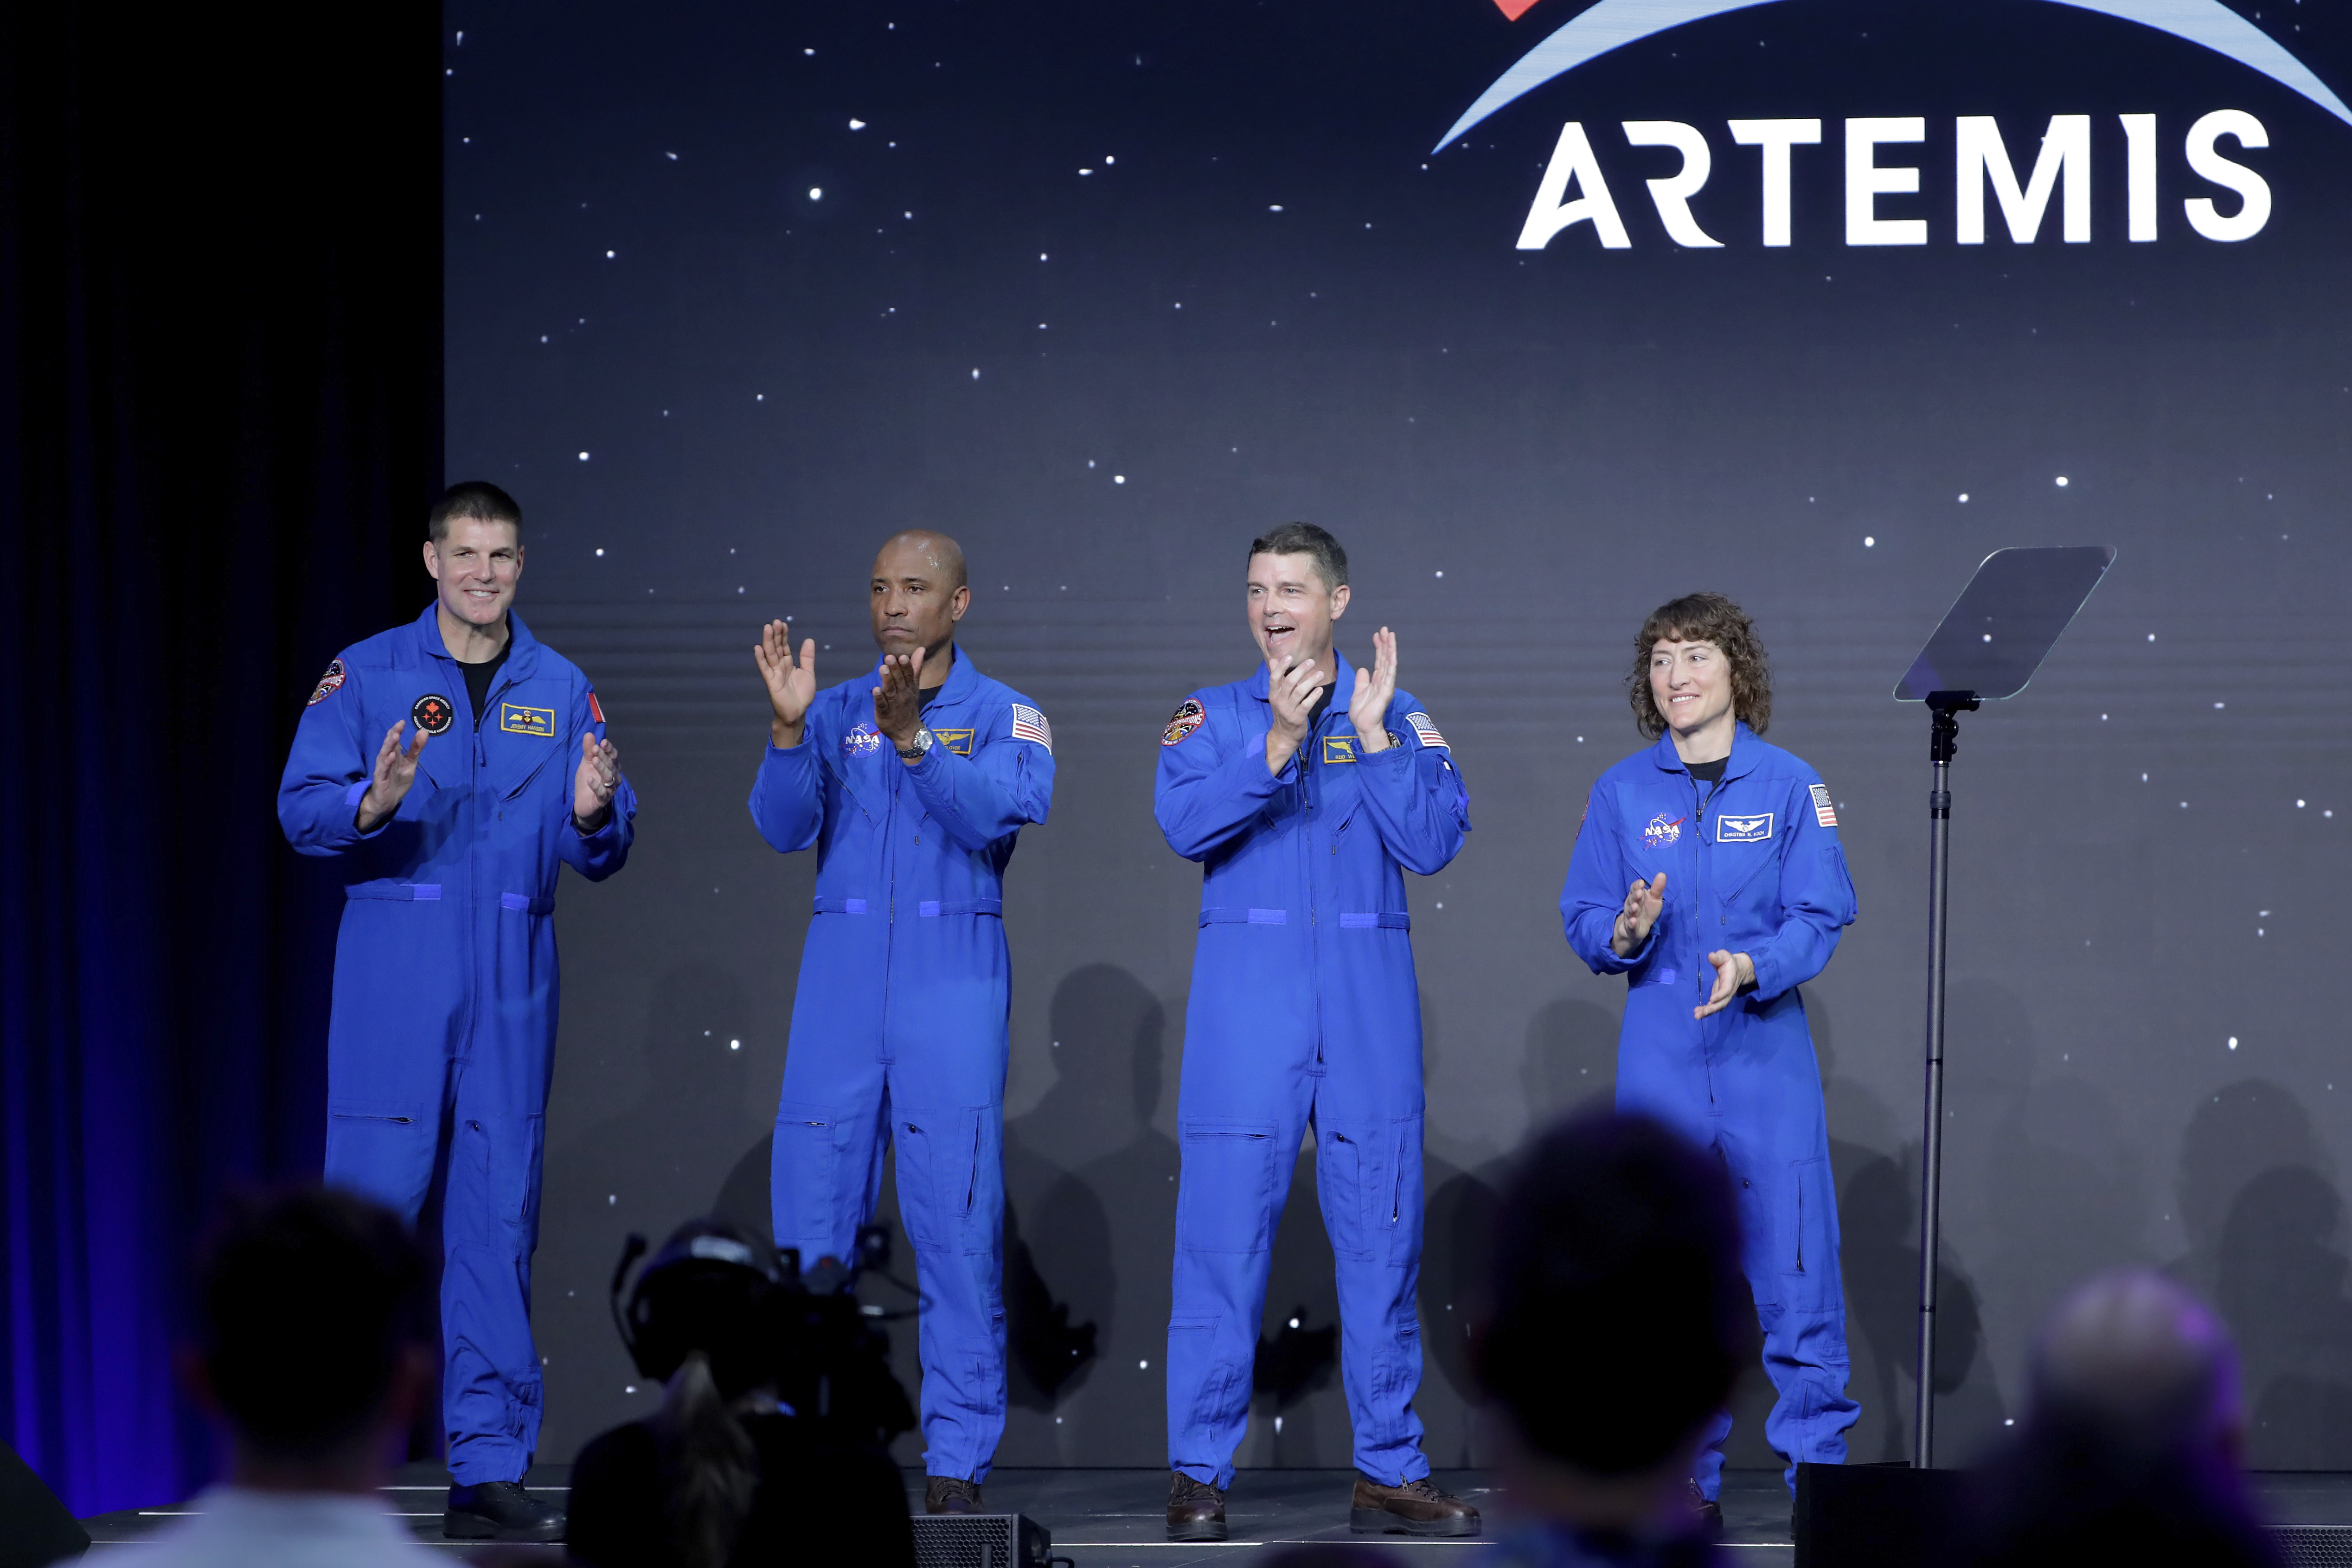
x: 734, y: 291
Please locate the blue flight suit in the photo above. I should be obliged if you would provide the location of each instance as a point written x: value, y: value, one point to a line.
x: 1760, y: 854
x: 1304, y: 1008
x: 446, y: 984
x: 899, y: 1025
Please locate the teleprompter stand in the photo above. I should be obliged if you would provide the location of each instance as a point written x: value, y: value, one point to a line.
x: 1990, y: 643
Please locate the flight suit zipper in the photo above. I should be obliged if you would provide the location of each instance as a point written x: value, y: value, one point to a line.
x: 1307, y: 753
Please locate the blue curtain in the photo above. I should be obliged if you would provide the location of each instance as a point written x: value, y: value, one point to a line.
x: 220, y: 236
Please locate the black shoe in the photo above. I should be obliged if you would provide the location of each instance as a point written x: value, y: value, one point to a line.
x: 1416, y: 1508
x: 1196, y: 1511
x: 1708, y: 1512
x: 499, y: 1510
x: 950, y: 1494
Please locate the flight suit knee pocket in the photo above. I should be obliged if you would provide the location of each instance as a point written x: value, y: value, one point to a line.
x: 1228, y: 1196
x: 942, y: 1158
x: 385, y: 1151
x: 1368, y: 1180
x: 1805, y: 1256
x: 812, y: 1141
x: 504, y: 1154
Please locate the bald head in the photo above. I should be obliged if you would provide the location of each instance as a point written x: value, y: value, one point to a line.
x: 2138, y: 1361
x: 940, y: 557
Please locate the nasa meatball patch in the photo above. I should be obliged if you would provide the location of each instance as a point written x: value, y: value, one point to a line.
x: 1823, y: 813
x: 1187, y: 719
x: 329, y: 683
x: 863, y: 741
x: 432, y: 714
x: 1661, y: 831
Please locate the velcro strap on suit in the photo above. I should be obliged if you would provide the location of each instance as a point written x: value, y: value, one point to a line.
x: 396, y: 892
x: 1236, y: 917
x: 1385, y: 919
x: 926, y: 908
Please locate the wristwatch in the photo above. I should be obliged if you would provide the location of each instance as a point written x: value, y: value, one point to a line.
x: 915, y: 753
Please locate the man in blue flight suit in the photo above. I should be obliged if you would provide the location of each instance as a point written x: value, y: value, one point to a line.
x: 912, y: 780
x: 1304, y: 1010
x: 446, y: 989
x: 1710, y: 820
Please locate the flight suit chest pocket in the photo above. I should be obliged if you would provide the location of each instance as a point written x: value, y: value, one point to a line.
x: 1228, y: 1197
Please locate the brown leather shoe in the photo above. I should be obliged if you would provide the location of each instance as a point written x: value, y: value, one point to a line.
x: 949, y: 1494
x: 1416, y: 1508
x: 1708, y: 1512
x: 1196, y: 1511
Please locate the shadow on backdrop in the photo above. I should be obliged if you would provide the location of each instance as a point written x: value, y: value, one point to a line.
x: 2259, y: 1201
x: 648, y: 1166
x: 1086, y: 1299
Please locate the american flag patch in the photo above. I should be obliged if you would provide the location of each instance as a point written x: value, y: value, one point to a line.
x: 1028, y: 723
x: 595, y: 707
x: 1823, y: 813
x: 1427, y: 730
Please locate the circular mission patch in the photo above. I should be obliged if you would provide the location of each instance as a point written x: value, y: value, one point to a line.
x: 1187, y: 719
x: 433, y: 714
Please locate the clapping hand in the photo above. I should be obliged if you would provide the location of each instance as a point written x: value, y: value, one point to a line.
x: 1734, y: 973
x: 395, y: 770
x: 592, y: 786
x: 1643, y: 902
x: 898, y: 700
x: 792, y: 683
x: 1368, y: 706
x: 1292, y: 693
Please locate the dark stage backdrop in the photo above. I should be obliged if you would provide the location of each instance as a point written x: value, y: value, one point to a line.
x: 734, y: 291
x: 220, y: 424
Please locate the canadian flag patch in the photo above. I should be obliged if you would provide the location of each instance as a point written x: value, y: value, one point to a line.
x: 1823, y: 813
x: 1422, y: 727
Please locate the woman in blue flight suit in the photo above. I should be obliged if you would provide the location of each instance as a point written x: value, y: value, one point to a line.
x: 1708, y: 871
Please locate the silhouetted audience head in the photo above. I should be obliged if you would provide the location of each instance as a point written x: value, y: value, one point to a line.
x: 313, y: 1308
x: 1617, y: 1319
x: 2132, y: 1440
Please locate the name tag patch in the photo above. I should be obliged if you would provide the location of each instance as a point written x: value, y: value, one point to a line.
x: 527, y: 720
x: 1339, y: 748
x: 1731, y: 829
x: 956, y: 741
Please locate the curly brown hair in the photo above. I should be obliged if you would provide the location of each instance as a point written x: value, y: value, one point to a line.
x: 1703, y: 618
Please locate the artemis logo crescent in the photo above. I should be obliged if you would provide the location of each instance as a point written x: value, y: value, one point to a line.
x: 1613, y: 24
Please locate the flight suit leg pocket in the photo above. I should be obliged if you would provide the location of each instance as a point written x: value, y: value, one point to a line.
x: 807, y: 1175
x: 1346, y: 1171
x: 1807, y: 1261
x: 946, y: 1184
x: 385, y: 1152
x: 1228, y: 1196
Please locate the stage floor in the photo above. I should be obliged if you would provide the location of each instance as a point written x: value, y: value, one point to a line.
x: 1112, y: 1519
